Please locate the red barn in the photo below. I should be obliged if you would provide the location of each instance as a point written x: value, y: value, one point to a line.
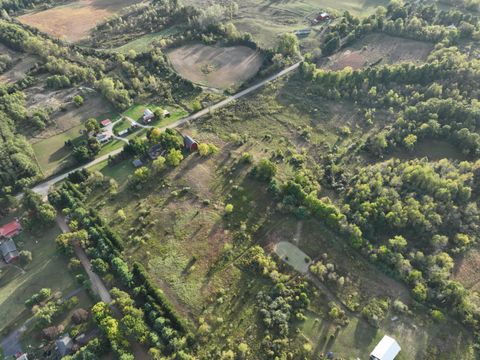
x: 190, y: 144
x: 11, y: 229
x: 105, y: 122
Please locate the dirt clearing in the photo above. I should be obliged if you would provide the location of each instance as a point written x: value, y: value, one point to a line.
x: 466, y: 269
x: 218, y: 67
x: 378, y: 49
x: 73, y: 21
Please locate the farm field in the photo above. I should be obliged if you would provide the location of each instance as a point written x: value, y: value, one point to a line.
x: 47, y: 269
x: 378, y: 49
x: 144, y: 42
x: 73, y: 21
x: 217, y: 67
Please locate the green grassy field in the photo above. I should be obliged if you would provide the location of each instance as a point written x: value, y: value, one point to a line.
x: 144, y: 42
x: 47, y: 269
x: 136, y: 112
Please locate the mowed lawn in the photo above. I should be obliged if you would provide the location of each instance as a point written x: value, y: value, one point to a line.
x: 47, y: 269
x: 136, y: 112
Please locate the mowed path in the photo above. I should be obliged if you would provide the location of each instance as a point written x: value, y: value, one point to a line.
x: 73, y: 21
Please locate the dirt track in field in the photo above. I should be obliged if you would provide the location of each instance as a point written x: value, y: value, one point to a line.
x: 73, y: 21
x: 217, y: 67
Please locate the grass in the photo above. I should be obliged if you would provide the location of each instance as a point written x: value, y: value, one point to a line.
x: 144, y: 42
x: 47, y: 269
x: 135, y: 112
x: 293, y: 256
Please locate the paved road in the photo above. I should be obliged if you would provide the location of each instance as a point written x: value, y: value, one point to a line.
x: 97, y: 283
x: 42, y: 188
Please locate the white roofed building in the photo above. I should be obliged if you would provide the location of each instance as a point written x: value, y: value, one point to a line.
x: 386, y: 349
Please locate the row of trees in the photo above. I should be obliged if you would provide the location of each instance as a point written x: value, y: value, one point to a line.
x: 158, y: 325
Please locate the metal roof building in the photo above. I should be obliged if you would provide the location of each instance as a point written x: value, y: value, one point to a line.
x: 386, y: 349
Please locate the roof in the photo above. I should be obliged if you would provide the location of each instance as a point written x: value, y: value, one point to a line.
x: 22, y: 357
x: 324, y: 14
x: 123, y: 132
x: 137, y: 162
x: 105, y: 122
x: 64, y: 345
x: 386, y: 349
x: 188, y: 141
x: 9, y: 250
x: 10, y: 229
x: 148, y: 112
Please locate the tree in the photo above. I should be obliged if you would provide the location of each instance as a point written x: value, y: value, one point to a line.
x: 92, y: 126
x: 265, y: 170
x: 409, y: 141
x: 159, y: 164
x: 141, y: 174
x: 159, y: 113
x: 288, y: 45
x: 228, y: 209
x: 171, y: 139
x: 25, y: 256
x: 80, y: 316
x: 78, y: 100
x: 174, y: 157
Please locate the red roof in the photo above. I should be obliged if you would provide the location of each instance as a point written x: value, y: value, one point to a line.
x: 105, y: 122
x: 10, y: 229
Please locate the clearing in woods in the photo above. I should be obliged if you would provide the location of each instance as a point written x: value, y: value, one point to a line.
x: 73, y: 21
x: 218, y: 67
x: 375, y: 49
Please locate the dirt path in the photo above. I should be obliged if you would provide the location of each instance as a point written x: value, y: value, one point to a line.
x: 98, y: 285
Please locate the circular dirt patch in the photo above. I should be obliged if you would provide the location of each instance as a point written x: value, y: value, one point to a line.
x: 213, y: 66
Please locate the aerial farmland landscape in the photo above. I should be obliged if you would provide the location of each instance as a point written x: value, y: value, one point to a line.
x: 226, y: 180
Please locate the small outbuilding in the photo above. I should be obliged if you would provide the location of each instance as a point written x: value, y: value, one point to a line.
x: 137, y: 163
x: 386, y: 349
x: 64, y: 345
x: 11, y: 229
x: 189, y: 143
x: 105, y: 122
x: 22, y: 357
x: 9, y: 251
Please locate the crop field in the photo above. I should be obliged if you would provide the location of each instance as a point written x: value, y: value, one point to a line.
x: 466, y: 270
x: 73, y: 21
x: 18, y: 285
x: 217, y: 67
x: 143, y: 43
x: 378, y: 49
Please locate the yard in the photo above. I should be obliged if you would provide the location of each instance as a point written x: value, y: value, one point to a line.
x: 47, y: 269
x: 136, y: 113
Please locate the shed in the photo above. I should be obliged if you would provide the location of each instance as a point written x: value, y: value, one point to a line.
x: 137, y: 163
x: 189, y: 143
x: 22, y: 357
x: 123, y: 132
x: 11, y: 229
x: 105, y: 122
x: 64, y: 345
x: 386, y: 349
x: 9, y: 251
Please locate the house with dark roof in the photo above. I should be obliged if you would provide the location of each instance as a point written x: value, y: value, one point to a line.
x: 11, y: 229
x: 9, y: 251
x: 189, y: 143
x: 64, y: 345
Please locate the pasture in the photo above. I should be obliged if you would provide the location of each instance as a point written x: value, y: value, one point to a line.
x: 378, y: 49
x: 213, y: 66
x: 74, y: 20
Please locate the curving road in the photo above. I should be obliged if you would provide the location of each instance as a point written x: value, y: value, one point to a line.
x: 43, y: 187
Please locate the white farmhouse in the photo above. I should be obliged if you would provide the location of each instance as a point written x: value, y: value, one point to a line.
x: 386, y: 349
